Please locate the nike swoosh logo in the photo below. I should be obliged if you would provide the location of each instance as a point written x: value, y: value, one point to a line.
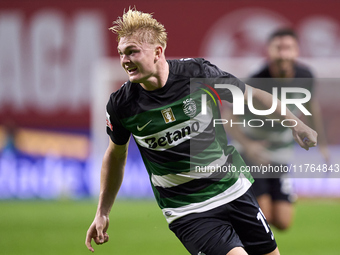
x: 141, y: 128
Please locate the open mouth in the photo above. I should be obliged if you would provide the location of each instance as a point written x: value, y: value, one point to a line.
x: 131, y: 70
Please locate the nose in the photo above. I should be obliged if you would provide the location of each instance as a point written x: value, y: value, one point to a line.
x: 283, y: 53
x: 124, y: 59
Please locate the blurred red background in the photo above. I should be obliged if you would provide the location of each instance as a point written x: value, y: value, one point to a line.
x: 47, y: 48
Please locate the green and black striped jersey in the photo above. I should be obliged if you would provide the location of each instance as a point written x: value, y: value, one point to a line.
x: 187, y: 157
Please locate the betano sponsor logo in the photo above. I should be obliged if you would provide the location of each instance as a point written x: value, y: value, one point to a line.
x: 171, y: 137
x: 176, y: 134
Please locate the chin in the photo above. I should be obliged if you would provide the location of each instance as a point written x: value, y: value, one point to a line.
x: 134, y: 80
x: 137, y: 79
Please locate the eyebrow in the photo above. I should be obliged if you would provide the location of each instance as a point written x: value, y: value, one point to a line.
x: 127, y: 48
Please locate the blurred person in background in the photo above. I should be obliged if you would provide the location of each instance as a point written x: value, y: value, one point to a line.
x: 211, y: 213
x: 274, y: 145
x: 9, y: 134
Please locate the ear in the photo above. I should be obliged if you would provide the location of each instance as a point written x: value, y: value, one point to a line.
x: 158, y: 52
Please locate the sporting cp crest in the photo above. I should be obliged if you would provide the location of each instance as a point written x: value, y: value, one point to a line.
x: 189, y: 107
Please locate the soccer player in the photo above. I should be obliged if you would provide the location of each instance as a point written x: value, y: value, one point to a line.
x: 274, y: 145
x: 210, y: 212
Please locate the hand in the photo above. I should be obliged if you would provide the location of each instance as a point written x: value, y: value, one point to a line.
x: 305, y: 136
x: 97, y: 232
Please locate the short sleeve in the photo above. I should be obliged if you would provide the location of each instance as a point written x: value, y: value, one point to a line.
x: 117, y: 132
x: 218, y: 76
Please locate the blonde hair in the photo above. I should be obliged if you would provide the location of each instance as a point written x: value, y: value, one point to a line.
x: 143, y: 25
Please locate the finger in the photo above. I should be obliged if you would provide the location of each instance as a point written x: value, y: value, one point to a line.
x: 97, y: 240
x: 101, y: 241
x: 106, y: 237
x: 301, y: 142
x: 88, y: 242
x: 306, y: 141
x: 309, y: 142
x: 100, y: 235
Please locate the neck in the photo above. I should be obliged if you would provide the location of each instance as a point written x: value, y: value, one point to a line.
x: 159, y: 79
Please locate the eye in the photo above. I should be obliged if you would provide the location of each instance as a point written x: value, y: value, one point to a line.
x: 132, y: 52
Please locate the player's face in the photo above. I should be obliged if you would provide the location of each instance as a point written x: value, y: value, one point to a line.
x: 283, y: 50
x: 137, y: 59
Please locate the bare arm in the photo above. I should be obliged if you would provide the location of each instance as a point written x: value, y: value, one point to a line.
x: 303, y: 135
x: 112, y: 173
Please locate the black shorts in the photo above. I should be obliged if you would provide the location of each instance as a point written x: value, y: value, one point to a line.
x: 279, y: 189
x: 239, y: 223
x: 275, y: 184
